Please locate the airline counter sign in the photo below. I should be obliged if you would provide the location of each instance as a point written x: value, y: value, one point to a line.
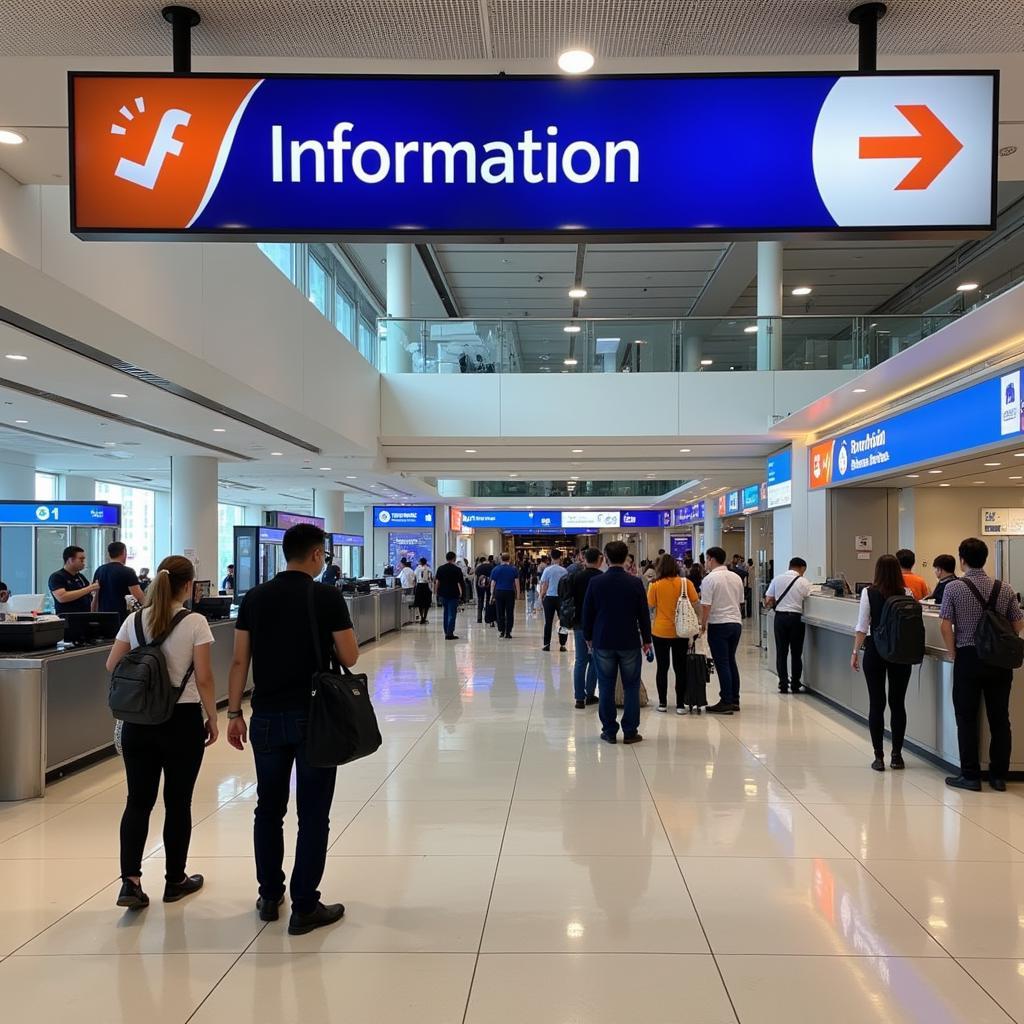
x: 220, y: 156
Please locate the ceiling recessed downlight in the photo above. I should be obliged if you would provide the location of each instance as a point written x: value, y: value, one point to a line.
x: 16, y: 357
x: 577, y: 451
x: 21, y: 421
x: 118, y: 394
x: 859, y: 391
x: 967, y: 286
x: 683, y: 451
x: 802, y: 290
x: 571, y: 328
x: 351, y: 477
x: 992, y: 465
x: 945, y: 485
x: 935, y: 472
x: 577, y: 293
x: 570, y: 362
x: 576, y: 62
x: 706, y: 362
x: 752, y: 329
x: 10, y: 138
x: 913, y: 476
x: 325, y: 469
x: 277, y: 453
x: 220, y: 430
x: 470, y: 451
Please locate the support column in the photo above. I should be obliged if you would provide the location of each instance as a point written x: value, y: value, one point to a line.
x: 803, y: 528
x: 330, y: 505
x: 399, y: 302
x: 711, y: 535
x: 162, y: 515
x: 194, y: 511
x: 692, y: 350
x: 769, y: 304
x: 370, y: 567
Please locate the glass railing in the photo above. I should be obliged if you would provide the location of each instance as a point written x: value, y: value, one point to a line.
x: 708, y: 344
x: 574, y: 488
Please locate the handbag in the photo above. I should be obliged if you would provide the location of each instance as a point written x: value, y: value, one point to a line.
x: 342, y: 725
x: 686, y: 622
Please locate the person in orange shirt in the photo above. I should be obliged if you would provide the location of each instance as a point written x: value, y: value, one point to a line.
x: 662, y: 597
x: 917, y: 585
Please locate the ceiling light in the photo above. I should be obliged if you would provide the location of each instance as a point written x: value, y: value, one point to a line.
x: 576, y: 62
x: 1017, y: 477
x: 21, y: 421
x: 325, y: 469
x: 9, y: 138
x: 577, y: 293
x: 577, y: 478
x: 978, y: 482
x: 993, y: 464
x: 639, y: 341
x: 683, y: 451
x: 935, y: 471
x: 16, y: 357
x: 1018, y: 455
x: 277, y: 453
x: 351, y: 478
x: 913, y: 476
x: 513, y: 474
x: 859, y: 391
x: 706, y: 362
x: 570, y: 362
x: 945, y: 485
x: 109, y: 444
x: 752, y: 329
x: 967, y: 286
x: 802, y: 290
x: 470, y: 451
x: 117, y: 394
x: 219, y: 430
x: 571, y: 328
x: 577, y: 451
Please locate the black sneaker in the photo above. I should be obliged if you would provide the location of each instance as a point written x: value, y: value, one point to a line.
x: 999, y: 785
x: 959, y: 782
x: 546, y: 647
x: 721, y: 708
x: 608, y: 739
x: 131, y: 896
x: 635, y: 738
x: 878, y: 764
x: 797, y: 688
x: 735, y: 707
x: 591, y: 701
x: 302, y: 924
x: 269, y: 908
x: 785, y: 689
x: 174, y: 891
x: 580, y: 705
x: 896, y: 763
x: 562, y: 648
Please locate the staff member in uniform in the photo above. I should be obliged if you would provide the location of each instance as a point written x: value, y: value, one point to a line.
x: 945, y: 573
x: 72, y: 592
x: 786, y: 594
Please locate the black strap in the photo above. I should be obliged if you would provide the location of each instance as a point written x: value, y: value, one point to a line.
x: 317, y: 649
x: 141, y: 637
x: 792, y: 583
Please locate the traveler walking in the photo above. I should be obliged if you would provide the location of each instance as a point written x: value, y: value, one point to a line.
x: 693, y: 572
x: 505, y: 593
x: 739, y: 567
x: 888, y: 583
x: 448, y: 585
x: 916, y: 585
x: 584, y: 675
x: 721, y: 599
x: 617, y: 626
x: 549, y: 578
x: 173, y: 750
x: 786, y: 594
x: 423, y: 596
x: 945, y: 573
x: 663, y: 596
x: 981, y: 622
x: 275, y: 635
x: 750, y: 593
x: 529, y: 582
x: 483, y: 585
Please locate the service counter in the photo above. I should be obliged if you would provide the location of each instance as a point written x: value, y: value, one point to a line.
x: 379, y: 612
x: 931, y: 726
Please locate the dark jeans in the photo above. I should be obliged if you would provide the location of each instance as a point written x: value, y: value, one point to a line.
x: 671, y: 649
x: 481, y: 601
x: 971, y: 681
x: 278, y: 745
x: 451, y: 611
x: 724, y: 639
x: 876, y: 672
x: 505, y: 607
x: 609, y: 665
x: 789, y: 637
x: 748, y: 610
x: 175, y: 751
x: 550, y: 610
x: 584, y: 675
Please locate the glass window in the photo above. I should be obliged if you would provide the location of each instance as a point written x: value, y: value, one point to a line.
x: 317, y: 285
x: 367, y: 337
x: 344, y: 314
x: 282, y: 255
x: 46, y: 487
x: 138, y: 521
x: 228, y: 517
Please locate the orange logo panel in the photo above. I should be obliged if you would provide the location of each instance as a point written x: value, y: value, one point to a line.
x: 145, y: 148
x: 820, y: 458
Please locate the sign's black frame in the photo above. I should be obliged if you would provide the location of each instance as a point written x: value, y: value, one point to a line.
x: 951, y: 231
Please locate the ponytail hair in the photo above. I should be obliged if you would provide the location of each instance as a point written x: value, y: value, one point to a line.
x: 173, y: 573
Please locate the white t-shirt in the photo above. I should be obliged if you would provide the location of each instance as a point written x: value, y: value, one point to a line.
x: 424, y: 575
x: 722, y: 591
x: 796, y: 595
x: 407, y: 577
x: 864, y: 611
x: 192, y: 631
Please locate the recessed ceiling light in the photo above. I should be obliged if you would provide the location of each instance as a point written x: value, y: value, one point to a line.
x: 945, y: 485
x: 706, y: 362
x: 752, y: 329
x: 9, y: 138
x: 21, y: 421
x: 913, y: 476
x: 993, y: 464
x: 576, y: 62
x: 935, y: 471
x: 351, y: 478
x: 325, y: 469
x: 577, y: 293
x: 683, y: 451
x: 219, y: 430
x: 470, y: 451
x: 570, y: 362
x: 574, y: 478
x: 1017, y: 477
x: 277, y: 453
x: 110, y: 444
x: 802, y: 290
x: 577, y: 451
x: 859, y: 391
x: 976, y: 482
x: 17, y: 358
x: 117, y: 394
x: 639, y: 341
x: 513, y: 474
x: 571, y: 328
x: 967, y: 286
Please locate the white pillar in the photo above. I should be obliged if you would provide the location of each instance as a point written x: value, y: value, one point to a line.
x: 369, y: 562
x: 769, y: 304
x: 802, y: 529
x: 399, y: 302
x: 194, y: 511
x: 711, y: 535
x: 330, y: 505
x: 906, y: 517
x: 692, y: 350
x: 162, y: 515
x: 17, y: 476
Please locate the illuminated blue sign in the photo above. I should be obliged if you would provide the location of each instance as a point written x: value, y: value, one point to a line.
x: 751, y: 498
x: 688, y: 514
x: 732, y: 503
x: 779, y: 473
x: 413, y: 516
x: 512, y: 519
x: 58, y: 513
x: 647, y: 520
x: 347, y: 539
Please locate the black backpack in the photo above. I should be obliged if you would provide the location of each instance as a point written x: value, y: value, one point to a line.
x: 141, y: 691
x: 995, y: 638
x: 899, y: 636
x: 566, y: 602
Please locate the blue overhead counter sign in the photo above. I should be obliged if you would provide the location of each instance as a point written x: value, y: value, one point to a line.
x: 229, y: 156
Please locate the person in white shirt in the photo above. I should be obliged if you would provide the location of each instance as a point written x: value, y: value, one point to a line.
x: 407, y: 575
x: 786, y: 595
x: 424, y: 595
x: 721, y: 618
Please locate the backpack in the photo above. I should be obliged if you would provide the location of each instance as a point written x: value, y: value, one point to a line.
x: 995, y: 638
x: 686, y: 618
x: 899, y: 637
x: 566, y: 602
x: 141, y: 691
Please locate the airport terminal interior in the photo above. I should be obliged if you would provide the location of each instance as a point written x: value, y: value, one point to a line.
x: 725, y: 295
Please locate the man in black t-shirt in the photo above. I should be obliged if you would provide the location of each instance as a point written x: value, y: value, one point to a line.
x: 448, y: 587
x: 116, y: 582
x: 274, y: 633
x: 71, y: 591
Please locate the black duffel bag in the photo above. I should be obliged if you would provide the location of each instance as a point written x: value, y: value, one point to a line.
x: 342, y: 724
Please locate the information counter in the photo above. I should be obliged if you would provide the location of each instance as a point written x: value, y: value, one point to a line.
x: 931, y: 726
x: 379, y: 612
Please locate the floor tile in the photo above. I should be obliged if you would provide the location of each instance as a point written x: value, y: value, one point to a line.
x: 714, y: 783
x: 484, y: 781
x: 585, y: 827
x: 616, y: 777
x: 829, y: 784
x: 1003, y: 980
x: 25, y: 814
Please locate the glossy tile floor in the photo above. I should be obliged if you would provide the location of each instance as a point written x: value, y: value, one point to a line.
x: 500, y: 864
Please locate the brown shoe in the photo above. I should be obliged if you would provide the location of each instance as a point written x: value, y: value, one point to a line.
x: 635, y: 738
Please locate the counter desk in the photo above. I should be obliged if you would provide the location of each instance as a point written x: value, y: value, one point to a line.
x: 931, y: 726
x: 379, y: 612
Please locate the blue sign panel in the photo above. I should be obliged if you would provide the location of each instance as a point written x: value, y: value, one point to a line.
x: 412, y: 546
x: 983, y: 414
x: 347, y: 539
x: 751, y: 498
x: 780, y: 479
x: 681, y: 547
x: 58, y: 513
x: 732, y: 503
x: 512, y: 519
x: 271, y: 535
x: 648, y: 519
x: 404, y: 515
x: 688, y: 514
x: 237, y: 155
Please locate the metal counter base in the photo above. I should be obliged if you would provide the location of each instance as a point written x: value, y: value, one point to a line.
x: 379, y: 612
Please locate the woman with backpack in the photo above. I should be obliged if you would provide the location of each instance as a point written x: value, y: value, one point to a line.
x: 423, y: 595
x: 173, y: 749
x: 888, y: 583
x: 663, y: 596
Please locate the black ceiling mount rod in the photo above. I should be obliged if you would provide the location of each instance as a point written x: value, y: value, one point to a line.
x: 183, y: 20
x: 866, y: 17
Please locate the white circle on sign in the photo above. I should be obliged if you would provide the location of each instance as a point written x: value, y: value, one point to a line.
x: 384, y: 516
x: 42, y: 513
x: 862, y: 191
x: 844, y: 459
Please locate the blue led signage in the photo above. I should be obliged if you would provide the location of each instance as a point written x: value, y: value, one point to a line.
x: 512, y: 519
x: 58, y: 513
x: 751, y: 498
x: 688, y: 514
x: 779, y: 475
x: 347, y: 539
x: 647, y: 520
x: 413, y: 516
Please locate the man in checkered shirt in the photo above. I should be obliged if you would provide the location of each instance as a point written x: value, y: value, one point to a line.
x: 961, y: 613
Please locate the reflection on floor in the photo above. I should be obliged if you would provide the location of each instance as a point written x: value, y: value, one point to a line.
x: 500, y: 864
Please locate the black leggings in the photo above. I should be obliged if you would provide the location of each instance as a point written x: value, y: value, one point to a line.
x: 174, y: 750
x: 875, y: 672
x: 674, y: 649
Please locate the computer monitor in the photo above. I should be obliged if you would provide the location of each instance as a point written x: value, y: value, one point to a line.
x: 90, y: 627
x: 201, y: 589
x: 25, y: 603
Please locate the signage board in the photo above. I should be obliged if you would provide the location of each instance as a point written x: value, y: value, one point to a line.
x: 779, y: 478
x: 455, y: 520
x: 604, y: 519
x: 354, y: 540
x: 412, y: 545
x: 909, y: 438
x: 271, y: 535
x: 286, y: 520
x: 688, y: 514
x: 59, y: 513
x: 650, y: 519
x: 681, y: 547
x: 213, y: 156
x: 511, y: 519
x: 403, y: 515
x: 751, y: 498
x: 1003, y: 522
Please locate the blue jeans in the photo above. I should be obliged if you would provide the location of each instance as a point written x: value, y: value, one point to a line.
x: 278, y: 743
x: 451, y: 610
x: 608, y: 665
x: 723, y: 639
x: 584, y: 678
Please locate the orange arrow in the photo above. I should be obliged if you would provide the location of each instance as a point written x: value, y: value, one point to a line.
x: 934, y: 146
